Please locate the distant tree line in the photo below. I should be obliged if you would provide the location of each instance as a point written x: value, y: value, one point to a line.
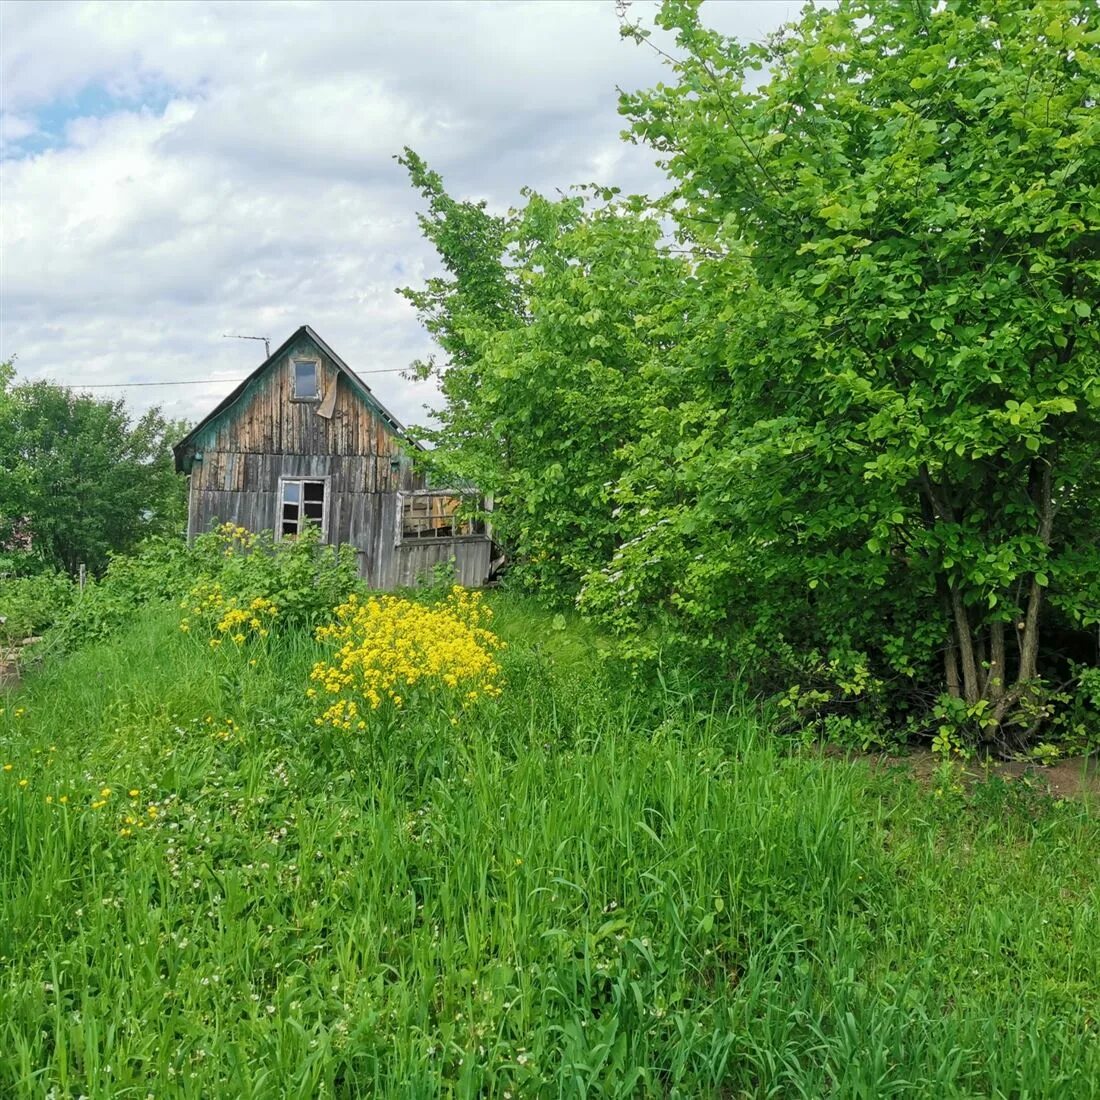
x: 826, y: 415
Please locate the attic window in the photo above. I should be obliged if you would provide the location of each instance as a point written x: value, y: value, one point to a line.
x: 301, y: 503
x: 435, y: 515
x: 307, y: 385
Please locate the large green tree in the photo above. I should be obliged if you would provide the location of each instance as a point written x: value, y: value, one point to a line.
x: 79, y: 478
x: 912, y: 382
x: 548, y: 319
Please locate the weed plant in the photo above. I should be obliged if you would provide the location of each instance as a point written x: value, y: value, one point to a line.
x: 589, y: 887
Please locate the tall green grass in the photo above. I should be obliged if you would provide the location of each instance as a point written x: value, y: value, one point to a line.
x: 599, y: 887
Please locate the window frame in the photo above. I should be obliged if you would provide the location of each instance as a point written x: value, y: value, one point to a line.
x: 280, y: 501
x: 294, y: 394
x: 400, y: 538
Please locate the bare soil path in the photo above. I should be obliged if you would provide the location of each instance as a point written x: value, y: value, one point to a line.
x: 1074, y: 777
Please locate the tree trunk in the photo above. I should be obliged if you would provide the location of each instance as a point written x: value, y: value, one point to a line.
x: 960, y: 652
x: 981, y: 657
x: 951, y: 668
x: 996, y: 687
x: 1029, y: 639
x: 1029, y: 636
x: 975, y: 666
x: 951, y: 648
x: 965, y: 643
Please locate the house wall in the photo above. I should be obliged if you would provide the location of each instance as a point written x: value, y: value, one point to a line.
x: 266, y: 435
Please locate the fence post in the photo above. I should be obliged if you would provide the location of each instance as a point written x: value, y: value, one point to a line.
x: 83, y: 578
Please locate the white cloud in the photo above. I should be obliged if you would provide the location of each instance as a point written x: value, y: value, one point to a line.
x: 174, y: 172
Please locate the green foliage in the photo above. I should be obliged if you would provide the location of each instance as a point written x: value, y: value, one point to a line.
x: 79, y: 480
x: 851, y: 408
x: 596, y: 889
x: 838, y: 700
x: 434, y: 585
x: 913, y: 387
x: 476, y: 294
x: 1075, y: 731
x: 30, y: 604
x: 545, y: 382
x: 159, y: 570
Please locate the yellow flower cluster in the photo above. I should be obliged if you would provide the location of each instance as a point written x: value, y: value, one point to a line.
x: 391, y: 650
x: 227, y: 616
x: 233, y: 538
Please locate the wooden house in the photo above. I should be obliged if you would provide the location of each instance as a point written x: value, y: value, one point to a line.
x: 302, y: 441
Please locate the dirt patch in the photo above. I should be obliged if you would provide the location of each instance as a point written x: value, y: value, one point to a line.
x: 1074, y: 777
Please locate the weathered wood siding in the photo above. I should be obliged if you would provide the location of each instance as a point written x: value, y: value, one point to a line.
x: 267, y: 435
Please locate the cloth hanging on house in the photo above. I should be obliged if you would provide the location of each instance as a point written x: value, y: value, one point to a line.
x: 328, y: 405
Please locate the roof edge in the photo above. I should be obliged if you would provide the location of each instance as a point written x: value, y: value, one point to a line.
x: 179, y: 450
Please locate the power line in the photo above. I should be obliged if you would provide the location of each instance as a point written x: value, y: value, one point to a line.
x: 130, y: 385
x: 195, y: 381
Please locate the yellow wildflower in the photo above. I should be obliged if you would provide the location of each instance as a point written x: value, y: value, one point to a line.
x: 388, y: 648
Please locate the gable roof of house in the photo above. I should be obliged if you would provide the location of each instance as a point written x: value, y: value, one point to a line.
x: 180, y: 450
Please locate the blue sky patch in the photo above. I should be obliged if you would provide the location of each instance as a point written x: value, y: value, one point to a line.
x: 93, y: 101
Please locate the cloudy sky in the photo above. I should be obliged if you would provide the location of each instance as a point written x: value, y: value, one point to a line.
x: 173, y: 171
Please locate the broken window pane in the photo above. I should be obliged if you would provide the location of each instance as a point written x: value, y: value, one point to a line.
x: 302, y: 502
x: 435, y: 516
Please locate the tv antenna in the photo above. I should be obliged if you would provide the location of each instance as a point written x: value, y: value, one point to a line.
x: 266, y: 340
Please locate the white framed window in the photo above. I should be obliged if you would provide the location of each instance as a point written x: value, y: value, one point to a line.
x: 430, y: 514
x: 302, y: 502
x: 307, y: 379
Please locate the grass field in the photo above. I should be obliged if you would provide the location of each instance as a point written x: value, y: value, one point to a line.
x: 592, y: 886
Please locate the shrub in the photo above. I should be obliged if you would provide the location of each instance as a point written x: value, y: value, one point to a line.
x: 300, y: 579
x: 30, y: 604
x: 160, y: 569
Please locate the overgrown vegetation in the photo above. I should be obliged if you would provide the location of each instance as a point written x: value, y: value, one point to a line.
x: 219, y: 572
x: 835, y: 433
x: 589, y: 885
